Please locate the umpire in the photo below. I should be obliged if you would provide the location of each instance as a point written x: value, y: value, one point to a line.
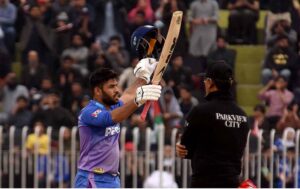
x: 215, y: 134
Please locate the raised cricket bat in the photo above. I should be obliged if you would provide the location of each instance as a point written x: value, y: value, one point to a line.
x: 166, y: 53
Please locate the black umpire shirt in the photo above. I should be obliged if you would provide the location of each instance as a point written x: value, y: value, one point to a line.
x: 215, y: 137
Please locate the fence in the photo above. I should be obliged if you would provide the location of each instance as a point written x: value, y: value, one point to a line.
x: 57, y: 168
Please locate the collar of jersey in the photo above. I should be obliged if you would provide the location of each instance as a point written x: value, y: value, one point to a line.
x: 101, y: 106
x: 225, y: 95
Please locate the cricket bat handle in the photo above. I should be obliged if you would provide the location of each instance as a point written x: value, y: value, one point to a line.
x: 148, y: 103
x: 145, y: 110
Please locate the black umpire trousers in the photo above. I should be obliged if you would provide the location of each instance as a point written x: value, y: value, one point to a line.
x: 215, y: 182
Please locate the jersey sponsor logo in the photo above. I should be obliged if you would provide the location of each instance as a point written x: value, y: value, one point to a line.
x: 98, y: 170
x: 109, y: 131
x: 95, y: 113
x: 231, y: 120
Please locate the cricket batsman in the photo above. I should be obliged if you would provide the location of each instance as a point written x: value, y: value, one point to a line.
x: 99, y: 121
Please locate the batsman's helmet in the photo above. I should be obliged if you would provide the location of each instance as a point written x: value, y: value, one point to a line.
x: 147, y: 42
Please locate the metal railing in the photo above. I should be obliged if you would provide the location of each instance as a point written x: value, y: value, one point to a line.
x: 135, y: 164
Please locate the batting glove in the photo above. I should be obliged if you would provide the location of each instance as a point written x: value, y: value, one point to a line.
x: 147, y: 92
x: 145, y: 68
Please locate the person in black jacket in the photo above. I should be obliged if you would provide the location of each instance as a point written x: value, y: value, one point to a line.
x: 280, y: 60
x: 215, y: 133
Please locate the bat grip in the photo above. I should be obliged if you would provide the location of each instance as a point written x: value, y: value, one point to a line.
x: 147, y: 104
x: 145, y: 110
